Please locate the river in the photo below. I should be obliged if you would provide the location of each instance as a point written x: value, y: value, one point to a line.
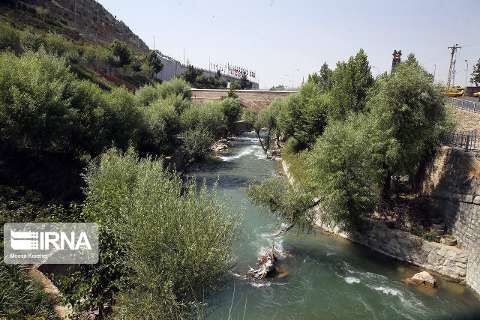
x: 328, y: 277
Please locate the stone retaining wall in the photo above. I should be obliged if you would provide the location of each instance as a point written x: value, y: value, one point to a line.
x: 446, y: 260
x: 462, y: 213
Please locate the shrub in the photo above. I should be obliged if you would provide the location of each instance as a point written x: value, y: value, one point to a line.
x: 9, y: 39
x: 197, y: 143
x: 176, y: 87
x: 121, y: 119
x: 34, y: 101
x: 120, y: 54
x: 178, y: 236
x: 208, y: 116
x: 162, y: 125
x: 232, y: 109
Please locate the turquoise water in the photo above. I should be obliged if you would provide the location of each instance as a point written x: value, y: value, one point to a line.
x: 328, y: 277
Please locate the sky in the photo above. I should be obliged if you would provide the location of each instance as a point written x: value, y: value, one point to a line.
x: 284, y: 41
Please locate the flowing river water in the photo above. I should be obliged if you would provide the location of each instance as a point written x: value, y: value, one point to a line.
x: 328, y: 277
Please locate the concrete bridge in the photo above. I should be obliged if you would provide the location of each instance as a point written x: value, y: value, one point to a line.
x: 255, y: 99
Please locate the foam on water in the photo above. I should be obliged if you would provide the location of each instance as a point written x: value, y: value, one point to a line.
x: 256, y: 150
x: 387, y: 290
x: 351, y: 280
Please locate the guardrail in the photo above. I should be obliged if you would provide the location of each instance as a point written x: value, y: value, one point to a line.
x: 468, y: 141
x: 466, y: 104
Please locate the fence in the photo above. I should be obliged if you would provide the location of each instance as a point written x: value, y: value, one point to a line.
x: 469, y: 141
x: 466, y: 104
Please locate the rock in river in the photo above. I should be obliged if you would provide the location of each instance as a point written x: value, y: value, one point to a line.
x: 423, y: 279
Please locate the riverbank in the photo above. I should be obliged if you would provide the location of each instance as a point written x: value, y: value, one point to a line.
x: 449, y: 261
x: 328, y: 276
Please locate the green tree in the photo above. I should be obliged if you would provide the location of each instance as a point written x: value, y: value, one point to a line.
x: 120, y: 54
x: 245, y: 83
x: 409, y: 111
x: 153, y: 60
x: 232, y: 110
x: 323, y: 79
x: 345, y: 171
x: 304, y: 117
x: 191, y: 74
x: 476, y: 73
x: 351, y: 83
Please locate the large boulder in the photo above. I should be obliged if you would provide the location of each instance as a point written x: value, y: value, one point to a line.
x: 423, y: 279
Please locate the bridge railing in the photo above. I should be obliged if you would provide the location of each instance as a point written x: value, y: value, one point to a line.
x: 468, y: 141
x: 465, y: 104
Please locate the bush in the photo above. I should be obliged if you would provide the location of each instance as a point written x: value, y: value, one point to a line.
x: 176, y: 87
x: 121, y: 120
x: 208, y: 116
x: 197, y: 143
x: 35, y: 110
x: 232, y: 109
x: 179, y: 237
x: 9, y: 39
x: 162, y: 125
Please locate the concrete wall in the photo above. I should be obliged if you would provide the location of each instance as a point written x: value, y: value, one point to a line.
x: 255, y: 99
x: 173, y: 68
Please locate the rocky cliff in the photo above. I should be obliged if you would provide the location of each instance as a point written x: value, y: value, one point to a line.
x: 79, y: 19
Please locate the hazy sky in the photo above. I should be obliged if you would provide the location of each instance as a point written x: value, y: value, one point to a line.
x: 285, y: 40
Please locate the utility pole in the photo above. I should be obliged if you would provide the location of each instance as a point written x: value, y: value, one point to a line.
x: 451, y: 69
x: 466, y: 73
x: 434, y: 71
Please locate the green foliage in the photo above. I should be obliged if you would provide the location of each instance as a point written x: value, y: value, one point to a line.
x: 344, y: 170
x: 120, y: 54
x: 409, y: 111
x: 9, y: 39
x: 288, y: 202
x: 162, y: 125
x: 197, y: 143
x: 351, y: 82
x: 232, y: 110
x: 121, y: 119
x: 304, y: 117
x: 35, y: 93
x: 208, y: 116
x: 279, y: 87
x: 21, y: 297
x: 245, y: 83
x: 178, y: 236
x: 154, y: 61
x: 476, y: 73
x: 197, y: 79
x: 324, y: 79
x: 176, y: 87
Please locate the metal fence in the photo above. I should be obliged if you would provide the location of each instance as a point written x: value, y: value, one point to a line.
x: 466, y: 104
x: 468, y: 141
